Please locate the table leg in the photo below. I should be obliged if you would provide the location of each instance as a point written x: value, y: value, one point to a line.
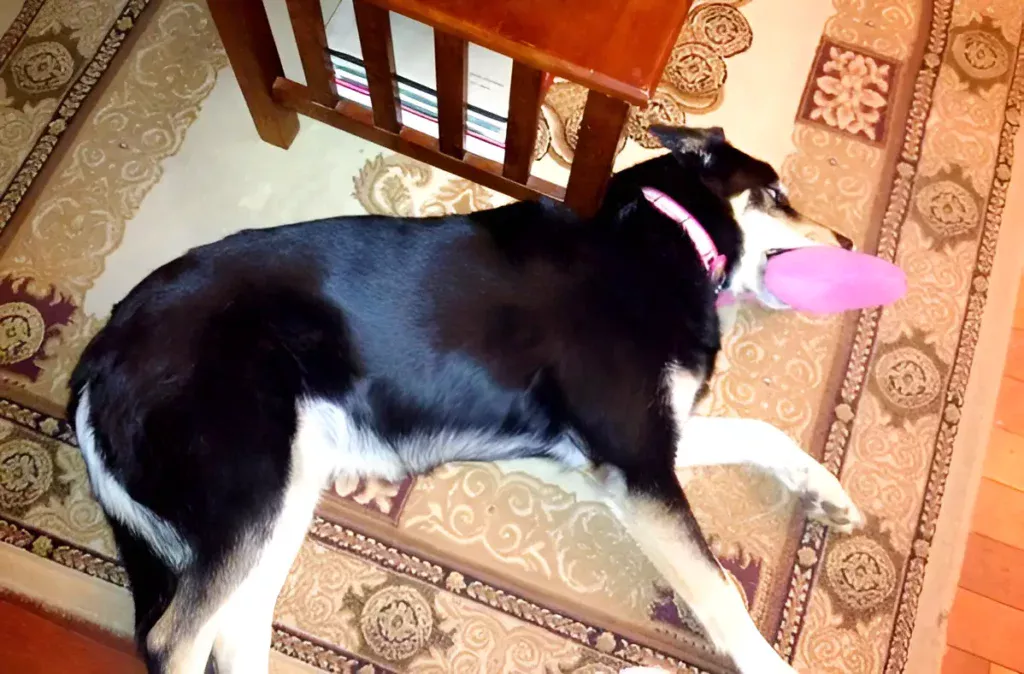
x: 245, y: 31
x: 603, y: 121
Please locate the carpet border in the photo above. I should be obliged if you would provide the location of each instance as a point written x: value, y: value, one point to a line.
x: 964, y: 365
x: 814, y: 535
x: 19, y: 27
x: 68, y: 108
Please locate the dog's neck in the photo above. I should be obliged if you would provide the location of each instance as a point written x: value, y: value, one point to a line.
x: 626, y: 210
x: 713, y: 261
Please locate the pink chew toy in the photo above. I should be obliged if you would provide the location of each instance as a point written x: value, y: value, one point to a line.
x: 824, y: 280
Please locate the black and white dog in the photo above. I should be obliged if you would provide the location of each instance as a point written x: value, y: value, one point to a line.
x: 232, y: 384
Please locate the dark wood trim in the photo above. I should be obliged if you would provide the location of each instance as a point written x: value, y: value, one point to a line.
x: 47, y: 640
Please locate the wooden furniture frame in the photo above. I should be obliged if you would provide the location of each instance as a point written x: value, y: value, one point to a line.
x: 616, y: 48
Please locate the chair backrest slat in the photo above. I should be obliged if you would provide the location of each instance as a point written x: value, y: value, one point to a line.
x: 604, y: 122
x: 451, y: 60
x: 524, y: 102
x: 374, y: 27
x: 311, y: 38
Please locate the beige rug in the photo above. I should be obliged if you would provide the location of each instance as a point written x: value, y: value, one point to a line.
x: 892, y: 120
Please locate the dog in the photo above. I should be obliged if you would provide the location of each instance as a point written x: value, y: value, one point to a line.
x: 234, y: 383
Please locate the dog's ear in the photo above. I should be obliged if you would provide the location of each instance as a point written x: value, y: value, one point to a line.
x: 690, y: 145
x: 724, y: 169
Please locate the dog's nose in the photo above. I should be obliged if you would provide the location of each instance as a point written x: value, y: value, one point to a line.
x: 845, y: 242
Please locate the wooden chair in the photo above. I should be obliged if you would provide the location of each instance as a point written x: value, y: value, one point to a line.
x: 615, y: 48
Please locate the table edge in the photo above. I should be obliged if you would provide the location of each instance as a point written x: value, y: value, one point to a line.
x: 637, y: 95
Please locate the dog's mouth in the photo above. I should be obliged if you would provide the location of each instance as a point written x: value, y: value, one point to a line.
x: 824, y: 280
x: 762, y: 294
x: 758, y: 290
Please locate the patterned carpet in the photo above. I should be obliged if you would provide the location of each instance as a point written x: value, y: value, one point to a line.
x: 891, y: 120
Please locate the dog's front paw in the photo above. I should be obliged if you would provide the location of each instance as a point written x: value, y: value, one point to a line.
x: 761, y: 659
x: 826, y: 501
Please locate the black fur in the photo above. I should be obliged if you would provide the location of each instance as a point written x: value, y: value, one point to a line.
x: 524, y: 319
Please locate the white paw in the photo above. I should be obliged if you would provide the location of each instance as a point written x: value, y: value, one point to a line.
x: 611, y: 478
x: 761, y: 658
x: 827, y: 502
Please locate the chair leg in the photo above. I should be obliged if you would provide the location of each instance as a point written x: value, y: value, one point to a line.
x: 245, y: 31
x: 603, y: 121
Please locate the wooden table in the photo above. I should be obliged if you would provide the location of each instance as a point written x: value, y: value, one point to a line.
x: 615, y: 48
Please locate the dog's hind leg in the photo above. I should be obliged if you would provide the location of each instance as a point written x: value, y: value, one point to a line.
x: 710, y: 441
x: 228, y: 609
x: 243, y: 641
x: 223, y: 605
x: 181, y: 640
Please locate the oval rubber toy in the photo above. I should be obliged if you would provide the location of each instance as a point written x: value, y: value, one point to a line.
x: 826, y: 280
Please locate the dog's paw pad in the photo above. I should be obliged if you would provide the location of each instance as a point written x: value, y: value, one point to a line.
x: 611, y: 478
x: 827, y: 502
x: 845, y: 519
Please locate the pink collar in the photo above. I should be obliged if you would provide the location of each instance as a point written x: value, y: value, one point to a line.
x: 714, y: 262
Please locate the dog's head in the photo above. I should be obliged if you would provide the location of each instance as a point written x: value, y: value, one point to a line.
x: 768, y: 224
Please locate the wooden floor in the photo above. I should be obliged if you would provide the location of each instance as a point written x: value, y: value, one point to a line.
x: 34, y: 641
x: 986, y: 625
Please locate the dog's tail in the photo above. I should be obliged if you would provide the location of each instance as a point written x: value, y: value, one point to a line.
x: 153, y: 553
x: 153, y: 583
